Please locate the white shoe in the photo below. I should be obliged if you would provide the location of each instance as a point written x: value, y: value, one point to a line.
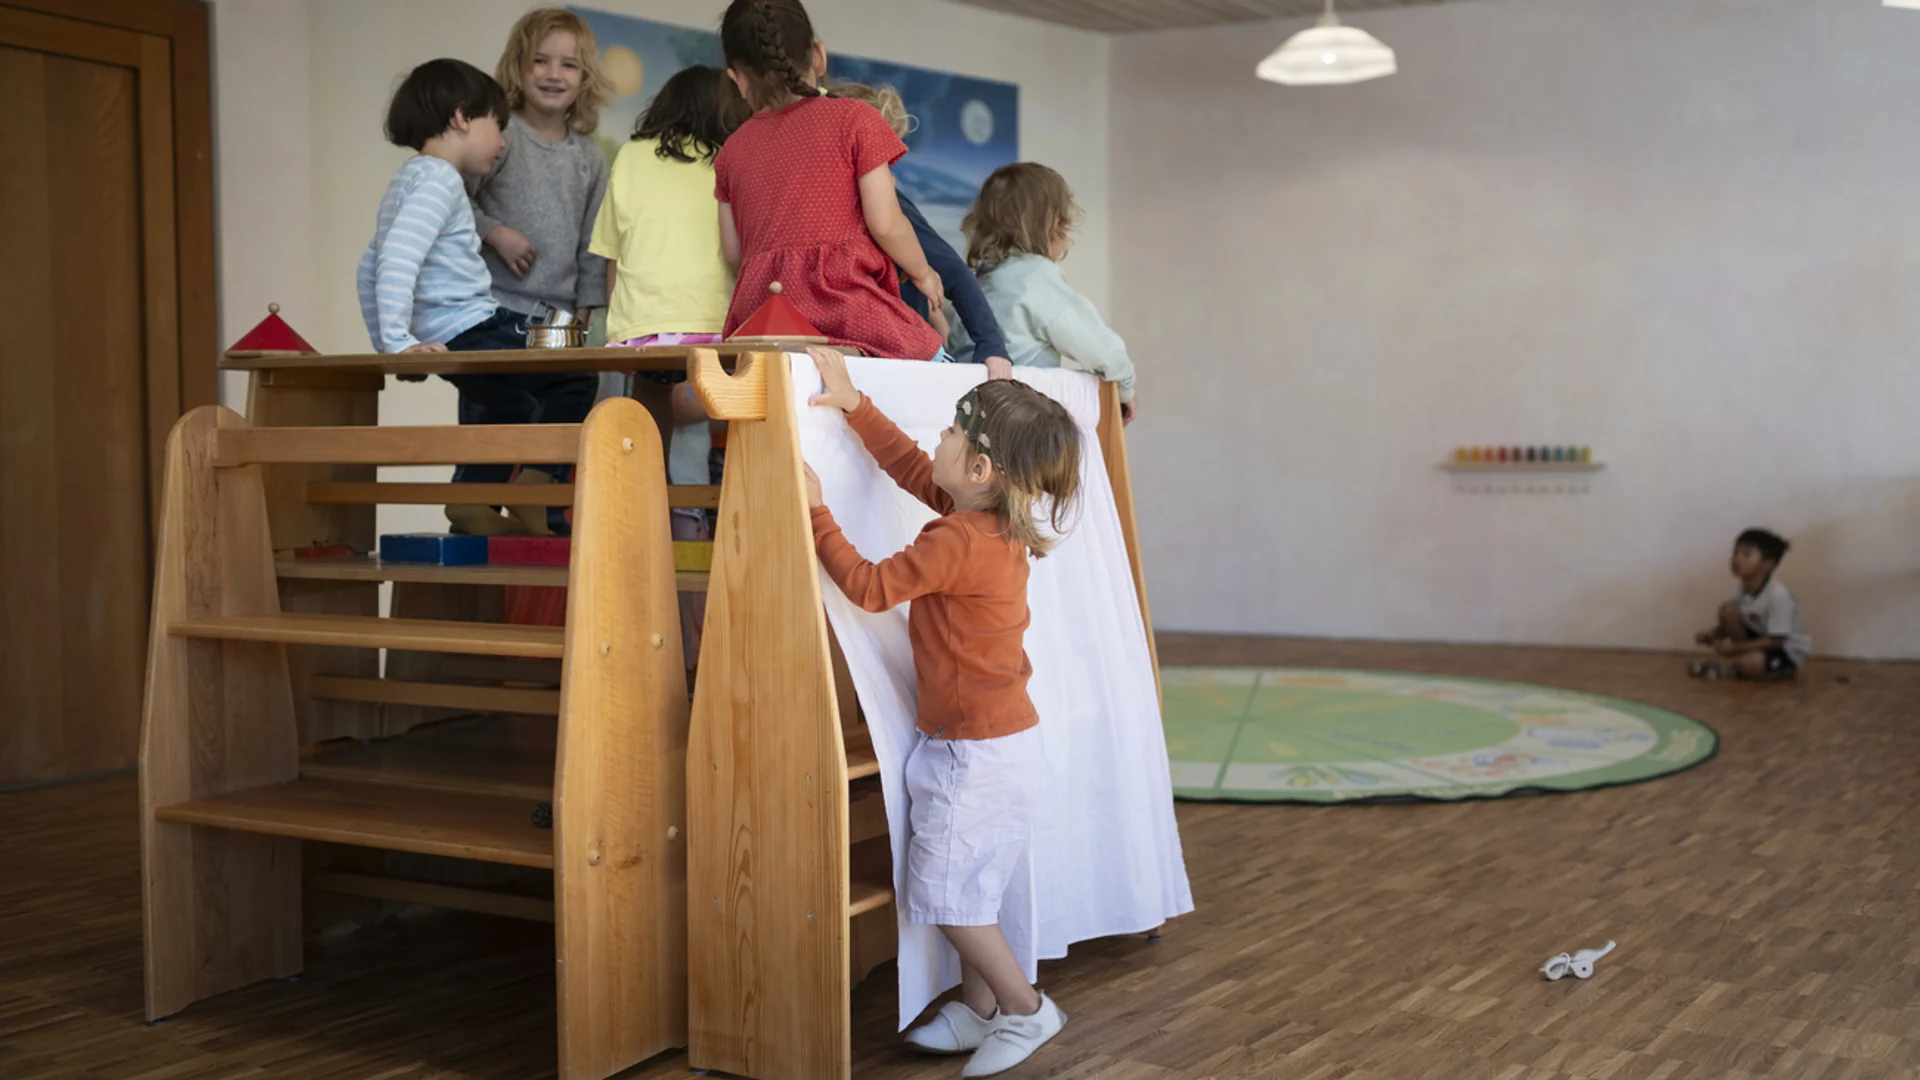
x: 1013, y: 1039
x: 955, y: 1029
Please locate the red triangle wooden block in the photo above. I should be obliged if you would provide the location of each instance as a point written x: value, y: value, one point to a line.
x: 778, y: 320
x: 272, y: 337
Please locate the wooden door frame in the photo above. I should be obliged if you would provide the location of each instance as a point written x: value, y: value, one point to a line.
x: 184, y: 28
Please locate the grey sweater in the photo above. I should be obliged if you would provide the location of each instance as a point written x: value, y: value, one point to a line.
x: 550, y: 191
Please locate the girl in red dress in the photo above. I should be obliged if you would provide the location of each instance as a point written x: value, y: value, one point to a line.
x: 806, y: 193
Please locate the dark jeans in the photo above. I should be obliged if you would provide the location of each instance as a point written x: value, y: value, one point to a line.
x: 514, y: 399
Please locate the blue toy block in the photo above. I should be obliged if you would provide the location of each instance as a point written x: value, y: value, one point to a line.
x: 435, y: 548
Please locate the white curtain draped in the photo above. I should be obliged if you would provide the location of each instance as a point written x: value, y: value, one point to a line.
x: 1105, y: 858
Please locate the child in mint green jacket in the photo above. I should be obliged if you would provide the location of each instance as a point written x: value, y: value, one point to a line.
x: 1017, y: 232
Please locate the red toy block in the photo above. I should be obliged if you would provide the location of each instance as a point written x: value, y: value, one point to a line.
x: 529, y: 550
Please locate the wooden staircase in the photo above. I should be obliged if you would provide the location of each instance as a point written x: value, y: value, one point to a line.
x: 228, y: 795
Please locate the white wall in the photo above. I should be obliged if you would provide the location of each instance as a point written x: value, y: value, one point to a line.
x: 1680, y: 231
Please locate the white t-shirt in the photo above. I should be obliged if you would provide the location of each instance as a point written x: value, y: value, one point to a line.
x: 1772, y: 613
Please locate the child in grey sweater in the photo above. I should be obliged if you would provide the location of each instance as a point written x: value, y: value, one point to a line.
x: 534, y: 213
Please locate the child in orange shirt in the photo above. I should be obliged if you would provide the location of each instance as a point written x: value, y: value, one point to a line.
x: 973, y: 778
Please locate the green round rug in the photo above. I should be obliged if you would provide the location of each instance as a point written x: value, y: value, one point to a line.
x: 1297, y: 735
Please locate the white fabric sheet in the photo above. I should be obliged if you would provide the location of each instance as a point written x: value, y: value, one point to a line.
x: 1105, y: 857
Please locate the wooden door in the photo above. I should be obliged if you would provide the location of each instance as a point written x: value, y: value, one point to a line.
x: 90, y: 382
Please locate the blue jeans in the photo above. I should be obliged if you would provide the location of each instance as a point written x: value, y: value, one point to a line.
x: 543, y: 398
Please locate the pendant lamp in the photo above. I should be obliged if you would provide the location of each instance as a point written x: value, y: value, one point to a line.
x: 1328, y: 54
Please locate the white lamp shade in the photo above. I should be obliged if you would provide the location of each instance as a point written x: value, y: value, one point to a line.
x: 1328, y: 55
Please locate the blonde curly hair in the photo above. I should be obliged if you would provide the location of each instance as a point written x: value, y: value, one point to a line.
x: 886, y: 99
x: 524, y: 40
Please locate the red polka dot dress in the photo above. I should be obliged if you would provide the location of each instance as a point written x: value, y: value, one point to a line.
x: 792, y: 177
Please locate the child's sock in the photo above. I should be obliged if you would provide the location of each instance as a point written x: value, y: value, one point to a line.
x: 1704, y: 669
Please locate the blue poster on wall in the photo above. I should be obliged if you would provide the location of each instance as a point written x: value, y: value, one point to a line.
x: 968, y: 127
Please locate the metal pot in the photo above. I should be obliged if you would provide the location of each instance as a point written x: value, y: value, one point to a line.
x: 561, y: 331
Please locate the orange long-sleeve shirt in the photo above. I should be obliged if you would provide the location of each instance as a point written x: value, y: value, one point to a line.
x: 968, y: 584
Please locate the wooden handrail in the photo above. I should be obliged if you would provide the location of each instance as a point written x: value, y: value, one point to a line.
x: 740, y: 396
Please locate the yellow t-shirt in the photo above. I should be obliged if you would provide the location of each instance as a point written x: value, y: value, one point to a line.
x: 660, y: 223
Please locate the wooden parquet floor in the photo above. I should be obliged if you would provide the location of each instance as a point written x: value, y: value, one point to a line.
x: 1767, y: 906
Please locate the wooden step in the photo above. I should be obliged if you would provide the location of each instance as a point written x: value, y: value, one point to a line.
x: 372, y: 569
x: 694, y: 496
x: 473, y: 444
x: 434, y: 894
x: 364, y: 631
x: 490, y: 828
x: 870, y: 875
x: 861, y: 761
x: 862, y: 898
x: 866, y: 811
x: 510, y: 757
x: 436, y: 695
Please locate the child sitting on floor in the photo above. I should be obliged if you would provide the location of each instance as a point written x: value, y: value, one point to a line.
x: 1760, y: 633
x: 1019, y: 229
x: 806, y: 193
x: 1011, y: 456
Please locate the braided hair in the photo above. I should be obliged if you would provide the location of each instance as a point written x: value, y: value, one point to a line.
x: 762, y: 40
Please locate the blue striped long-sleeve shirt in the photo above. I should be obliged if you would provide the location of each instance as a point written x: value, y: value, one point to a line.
x: 422, y: 278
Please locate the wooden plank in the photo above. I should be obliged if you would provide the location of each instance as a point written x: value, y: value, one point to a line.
x: 426, y: 573
x: 620, y: 879
x: 419, y: 494
x: 858, y: 741
x: 297, y: 523
x: 689, y: 581
x: 490, y: 828
x: 503, y: 362
x: 766, y: 768
x: 220, y: 910
x: 159, y: 288
x: 321, y: 380
x: 1113, y: 450
x: 690, y: 496
x: 400, y: 890
x: 864, y: 898
x: 485, y: 444
x: 744, y: 395
x: 866, y: 812
x: 499, y: 699
x: 508, y: 757
x: 480, y: 639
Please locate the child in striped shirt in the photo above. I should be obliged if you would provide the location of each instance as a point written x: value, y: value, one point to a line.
x: 424, y: 287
